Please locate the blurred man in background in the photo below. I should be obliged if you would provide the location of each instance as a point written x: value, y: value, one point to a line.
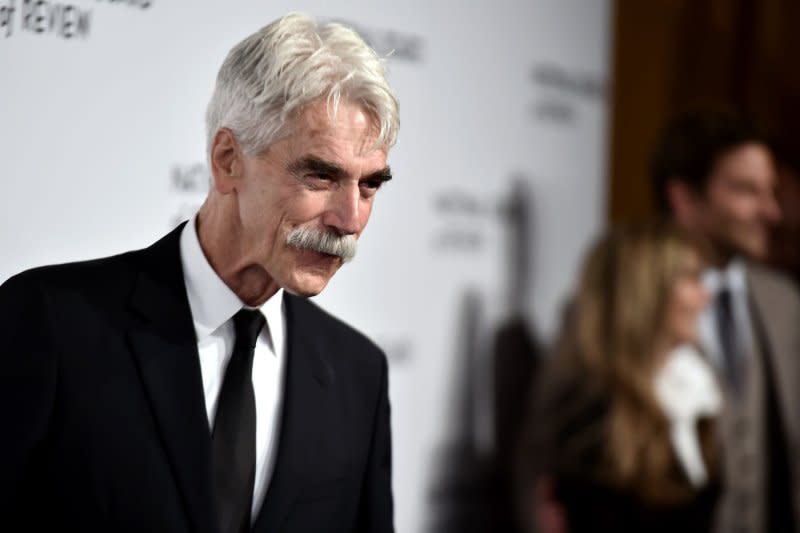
x: 716, y: 177
x: 189, y: 386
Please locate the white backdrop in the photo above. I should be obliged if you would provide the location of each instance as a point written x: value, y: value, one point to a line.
x: 102, y: 150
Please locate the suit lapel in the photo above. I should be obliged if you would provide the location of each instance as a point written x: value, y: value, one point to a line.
x: 309, y: 379
x: 777, y: 332
x: 163, y: 342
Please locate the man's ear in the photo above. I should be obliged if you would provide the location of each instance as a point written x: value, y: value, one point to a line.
x: 226, y: 161
x: 683, y: 202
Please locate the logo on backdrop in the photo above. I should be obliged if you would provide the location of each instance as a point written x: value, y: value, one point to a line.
x: 560, y: 91
x: 465, y: 215
x: 188, y: 184
x: 58, y: 19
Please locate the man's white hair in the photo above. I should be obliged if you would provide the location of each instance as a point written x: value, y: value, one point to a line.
x: 289, y: 64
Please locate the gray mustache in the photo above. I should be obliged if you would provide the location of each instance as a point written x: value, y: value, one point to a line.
x: 326, y: 242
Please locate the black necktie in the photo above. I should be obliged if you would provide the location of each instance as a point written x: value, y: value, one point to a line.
x: 729, y: 340
x: 234, y: 438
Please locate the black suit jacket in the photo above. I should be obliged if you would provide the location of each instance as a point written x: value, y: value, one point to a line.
x: 104, y: 420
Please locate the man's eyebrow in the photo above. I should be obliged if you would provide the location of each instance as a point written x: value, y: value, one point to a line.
x: 314, y: 164
x: 383, y: 175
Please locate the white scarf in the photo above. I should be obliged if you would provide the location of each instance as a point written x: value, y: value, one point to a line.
x: 686, y: 389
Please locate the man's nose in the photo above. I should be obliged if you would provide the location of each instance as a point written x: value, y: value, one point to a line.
x: 344, y: 210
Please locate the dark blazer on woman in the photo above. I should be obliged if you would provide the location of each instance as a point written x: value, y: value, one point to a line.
x: 568, y: 443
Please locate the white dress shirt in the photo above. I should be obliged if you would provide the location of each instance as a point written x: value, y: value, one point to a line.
x: 733, y: 278
x: 213, y: 305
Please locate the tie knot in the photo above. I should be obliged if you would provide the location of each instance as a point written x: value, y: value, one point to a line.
x: 247, y: 324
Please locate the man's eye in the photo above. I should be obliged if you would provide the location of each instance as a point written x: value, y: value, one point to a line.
x: 372, y: 184
x: 321, y: 176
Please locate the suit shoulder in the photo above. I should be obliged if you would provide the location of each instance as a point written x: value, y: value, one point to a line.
x: 104, y: 275
x: 776, y: 283
x: 333, y: 329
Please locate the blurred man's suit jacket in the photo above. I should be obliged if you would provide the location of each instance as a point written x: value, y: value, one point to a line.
x: 104, y: 421
x: 761, y: 427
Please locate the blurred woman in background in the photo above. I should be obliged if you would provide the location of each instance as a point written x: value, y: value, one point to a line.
x: 622, y: 435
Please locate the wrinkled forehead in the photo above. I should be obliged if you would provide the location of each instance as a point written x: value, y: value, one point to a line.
x: 347, y: 126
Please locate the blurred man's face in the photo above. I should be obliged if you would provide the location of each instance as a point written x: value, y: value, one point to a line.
x: 739, y: 206
x: 323, y: 178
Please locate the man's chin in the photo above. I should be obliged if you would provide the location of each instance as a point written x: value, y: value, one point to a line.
x: 754, y: 250
x: 744, y: 242
x: 310, y: 272
x: 307, y: 285
x: 302, y: 292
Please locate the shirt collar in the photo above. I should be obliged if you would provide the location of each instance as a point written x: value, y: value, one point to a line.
x: 211, y: 301
x: 273, y: 311
x: 732, y: 277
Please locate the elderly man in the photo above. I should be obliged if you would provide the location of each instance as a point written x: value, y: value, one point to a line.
x: 189, y: 386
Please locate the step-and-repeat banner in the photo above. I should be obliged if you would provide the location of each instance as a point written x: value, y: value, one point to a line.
x: 499, y: 175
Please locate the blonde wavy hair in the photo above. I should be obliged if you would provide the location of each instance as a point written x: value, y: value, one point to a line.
x: 620, y: 318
